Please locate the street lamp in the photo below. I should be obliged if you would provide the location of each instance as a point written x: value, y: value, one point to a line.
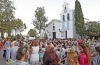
x: 15, y: 31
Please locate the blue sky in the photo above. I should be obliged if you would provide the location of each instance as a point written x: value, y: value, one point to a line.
x: 25, y: 9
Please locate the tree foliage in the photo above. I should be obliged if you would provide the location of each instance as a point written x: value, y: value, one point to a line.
x: 79, y: 19
x: 93, y: 30
x: 6, y: 16
x: 7, y: 19
x: 32, y: 33
x: 40, y: 19
x: 19, y: 24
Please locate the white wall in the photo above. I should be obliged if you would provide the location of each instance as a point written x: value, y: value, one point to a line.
x: 58, y: 25
x: 70, y: 21
x: 71, y: 33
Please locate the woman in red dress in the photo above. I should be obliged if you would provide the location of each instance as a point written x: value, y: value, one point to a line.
x: 0, y: 45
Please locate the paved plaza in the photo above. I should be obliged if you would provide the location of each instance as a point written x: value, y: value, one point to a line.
x: 2, y: 61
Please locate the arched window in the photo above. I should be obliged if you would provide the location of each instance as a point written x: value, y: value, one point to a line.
x: 53, y: 23
x: 63, y: 18
x: 53, y: 27
x: 65, y: 7
x: 65, y: 10
x: 68, y: 17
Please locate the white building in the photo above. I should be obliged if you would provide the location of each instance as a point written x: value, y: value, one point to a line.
x: 53, y: 29
x: 68, y: 23
x: 65, y: 28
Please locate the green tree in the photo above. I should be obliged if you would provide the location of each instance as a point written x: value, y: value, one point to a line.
x: 19, y: 24
x: 79, y: 19
x: 6, y: 16
x: 18, y: 36
x: 32, y: 33
x: 93, y: 30
x: 40, y: 19
x: 12, y: 37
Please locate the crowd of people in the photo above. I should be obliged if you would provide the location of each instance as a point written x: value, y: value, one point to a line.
x: 52, y: 51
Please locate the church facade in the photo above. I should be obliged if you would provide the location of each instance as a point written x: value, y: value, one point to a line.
x: 66, y: 28
x: 68, y: 23
x: 53, y: 29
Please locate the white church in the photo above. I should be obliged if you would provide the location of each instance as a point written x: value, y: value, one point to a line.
x: 63, y: 28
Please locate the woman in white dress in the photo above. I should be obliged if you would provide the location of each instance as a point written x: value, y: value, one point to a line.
x: 34, y: 57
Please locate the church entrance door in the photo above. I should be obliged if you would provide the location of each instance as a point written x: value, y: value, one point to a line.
x: 54, y: 35
x: 66, y: 34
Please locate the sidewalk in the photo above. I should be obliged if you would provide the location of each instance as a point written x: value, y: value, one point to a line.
x: 2, y: 61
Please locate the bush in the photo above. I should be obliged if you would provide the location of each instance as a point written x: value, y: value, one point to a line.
x: 12, y: 36
x: 10, y: 62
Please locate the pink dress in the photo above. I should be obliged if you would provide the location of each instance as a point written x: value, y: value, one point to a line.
x: 83, y: 59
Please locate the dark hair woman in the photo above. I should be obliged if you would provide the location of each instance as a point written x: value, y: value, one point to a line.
x: 50, y: 57
x: 85, y: 55
x: 20, y: 57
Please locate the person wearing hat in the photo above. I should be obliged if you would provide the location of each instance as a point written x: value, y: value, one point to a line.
x: 7, y: 46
